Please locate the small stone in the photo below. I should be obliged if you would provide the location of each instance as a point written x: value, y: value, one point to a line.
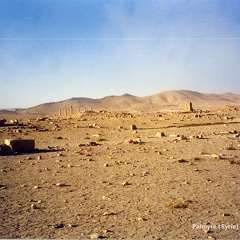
x: 133, y: 127
x: 182, y: 138
x: 72, y: 225
x: 106, y: 198
x: 226, y: 214
x: 160, y: 134
x: 196, y: 170
x: 36, y: 187
x: 182, y: 160
x: 215, y: 156
x: 145, y: 173
x: 58, y: 225
x: 39, y: 157
x: 207, y: 231
x: 61, y: 185
x: 34, y: 207
x: 93, y: 144
x: 94, y: 236
x: 125, y: 183
x: 106, y: 165
x: 108, y: 213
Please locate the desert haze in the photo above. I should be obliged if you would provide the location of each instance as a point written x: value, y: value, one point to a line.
x: 141, y: 168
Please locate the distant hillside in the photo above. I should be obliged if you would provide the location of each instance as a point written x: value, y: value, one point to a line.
x: 167, y: 100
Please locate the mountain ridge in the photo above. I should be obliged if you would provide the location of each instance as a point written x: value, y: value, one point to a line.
x: 166, y: 100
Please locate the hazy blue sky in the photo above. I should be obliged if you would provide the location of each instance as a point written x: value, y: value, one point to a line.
x: 51, y: 50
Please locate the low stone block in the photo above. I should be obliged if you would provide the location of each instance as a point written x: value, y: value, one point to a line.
x: 2, y: 121
x: 21, y: 145
x: 5, y: 150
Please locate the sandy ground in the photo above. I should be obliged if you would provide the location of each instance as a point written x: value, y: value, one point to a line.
x: 94, y: 177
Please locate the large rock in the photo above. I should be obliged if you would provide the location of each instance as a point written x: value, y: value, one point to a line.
x: 21, y: 145
x: 5, y: 150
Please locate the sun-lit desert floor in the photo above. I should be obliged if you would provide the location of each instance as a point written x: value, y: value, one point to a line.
x: 177, y: 176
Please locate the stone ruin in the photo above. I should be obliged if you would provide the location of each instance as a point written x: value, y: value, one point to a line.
x: 188, y: 107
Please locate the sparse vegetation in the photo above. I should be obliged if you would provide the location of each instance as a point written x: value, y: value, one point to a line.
x: 234, y: 161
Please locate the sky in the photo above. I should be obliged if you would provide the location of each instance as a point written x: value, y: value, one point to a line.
x: 52, y: 50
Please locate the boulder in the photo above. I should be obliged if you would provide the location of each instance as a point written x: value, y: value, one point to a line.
x: 21, y: 145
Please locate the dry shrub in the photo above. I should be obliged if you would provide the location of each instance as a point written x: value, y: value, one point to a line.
x: 101, y: 139
x: 195, y: 158
x: 230, y: 147
x: 177, y: 205
x: 233, y: 161
x: 182, y: 204
x: 135, y: 141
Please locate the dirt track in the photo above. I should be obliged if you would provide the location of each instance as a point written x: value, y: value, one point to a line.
x: 94, y: 177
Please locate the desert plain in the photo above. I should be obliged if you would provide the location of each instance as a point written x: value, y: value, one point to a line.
x: 93, y: 174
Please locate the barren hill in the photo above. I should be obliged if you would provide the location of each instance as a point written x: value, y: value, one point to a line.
x: 167, y: 100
